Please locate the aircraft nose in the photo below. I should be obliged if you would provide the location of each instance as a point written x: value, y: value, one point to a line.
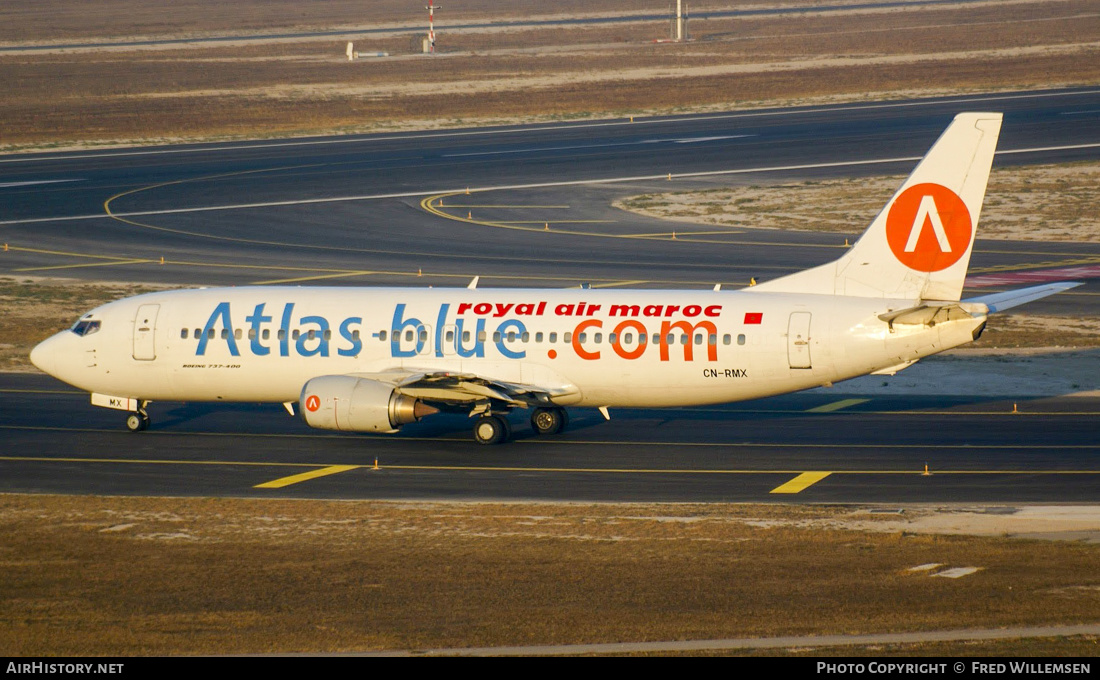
x: 45, y: 355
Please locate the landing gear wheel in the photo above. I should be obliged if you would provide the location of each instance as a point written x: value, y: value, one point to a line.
x: 549, y: 420
x: 491, y: 430
x: 136, y: 422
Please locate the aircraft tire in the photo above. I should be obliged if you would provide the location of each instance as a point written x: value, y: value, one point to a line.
x: 546, y: 421
x: 491, y: 430
x: 136, y: 422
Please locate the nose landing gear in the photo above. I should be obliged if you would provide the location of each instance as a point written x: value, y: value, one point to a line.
x: 136, y: 422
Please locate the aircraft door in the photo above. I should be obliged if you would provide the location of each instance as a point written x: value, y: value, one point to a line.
x: 145, y: 327
x: 798, y: 340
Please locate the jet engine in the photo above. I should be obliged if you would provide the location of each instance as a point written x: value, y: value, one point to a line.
x: 351, y: 404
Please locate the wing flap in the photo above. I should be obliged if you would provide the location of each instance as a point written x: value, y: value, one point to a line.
x: 454, y: 388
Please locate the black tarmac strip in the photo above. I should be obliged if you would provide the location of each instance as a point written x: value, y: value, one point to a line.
x: 881, y: 450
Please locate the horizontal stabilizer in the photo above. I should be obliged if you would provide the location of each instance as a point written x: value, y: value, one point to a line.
x: 998, y: 302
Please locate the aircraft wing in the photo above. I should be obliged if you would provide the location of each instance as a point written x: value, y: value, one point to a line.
x: 461, y: 388
x: 998, y: 302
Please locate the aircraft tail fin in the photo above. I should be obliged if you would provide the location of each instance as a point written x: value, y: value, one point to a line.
x: 919, y: 245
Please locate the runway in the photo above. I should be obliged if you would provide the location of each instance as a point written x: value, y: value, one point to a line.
x: 394, y: 209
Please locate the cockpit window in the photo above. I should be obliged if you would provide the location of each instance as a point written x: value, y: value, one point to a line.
x: 85, y: 327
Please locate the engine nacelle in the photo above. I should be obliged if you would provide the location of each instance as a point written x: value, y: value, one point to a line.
x: 344, y: 402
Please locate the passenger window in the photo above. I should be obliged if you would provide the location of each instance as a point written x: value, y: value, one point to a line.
x: 511, y: 336
x: 183, y: 334
x: 683, y: 339
x: 712, y: 339
x: 465, y: 336
x: 311, y: 335
x: 582, y: 338
x: 598, y: 338
x: 296, y: 334
x: 554, y: 338
x: 282, y: 334
x: 251, y: 333
x: 481, y: 336
x: 267, y: 334
x: 496, y: 336
x: 642, y: 338
x: 726, y: 339
x: 382, y: 335
x: 450, y: 336
x: 237, y: 334
x: 423, y: 336
x: 567, y: 338
x: 526, y: 337
x: 741, y: 339
x: 198, y: 333
x: 225, y: 334
x: 408, y: 336
x: 355, y: 335
x: 328, y: 335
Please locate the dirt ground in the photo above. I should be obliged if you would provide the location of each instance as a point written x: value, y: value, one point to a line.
x: 303, y: 84
x: 139, y: 576
x: 1032, y: 203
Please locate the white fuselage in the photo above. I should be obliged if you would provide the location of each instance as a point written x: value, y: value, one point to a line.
x: 262, y: 344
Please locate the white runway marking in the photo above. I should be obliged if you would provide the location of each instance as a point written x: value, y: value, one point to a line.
x: 508, y: 187
x: 5, y: 185
x: 677, y: 140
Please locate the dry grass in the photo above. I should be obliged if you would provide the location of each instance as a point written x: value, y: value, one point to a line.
x: 306, y: 86
x: 85, y: 576
x: 1032, y: 203
x: 1017, y: 331
x: 35, y: 309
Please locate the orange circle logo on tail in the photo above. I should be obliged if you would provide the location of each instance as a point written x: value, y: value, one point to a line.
x: 928, y: 227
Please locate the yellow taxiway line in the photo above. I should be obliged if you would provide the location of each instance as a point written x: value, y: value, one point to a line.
x: 836, y: 405
x: 306, y: 476
x: 801, y: 482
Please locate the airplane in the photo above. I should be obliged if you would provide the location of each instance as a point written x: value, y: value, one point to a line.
x: 372, y: 359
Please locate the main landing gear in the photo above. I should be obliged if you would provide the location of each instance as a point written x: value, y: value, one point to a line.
x: 495, y: 429
x: 490, y: 429
x: 549, y: 420
x: 136, y: 422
